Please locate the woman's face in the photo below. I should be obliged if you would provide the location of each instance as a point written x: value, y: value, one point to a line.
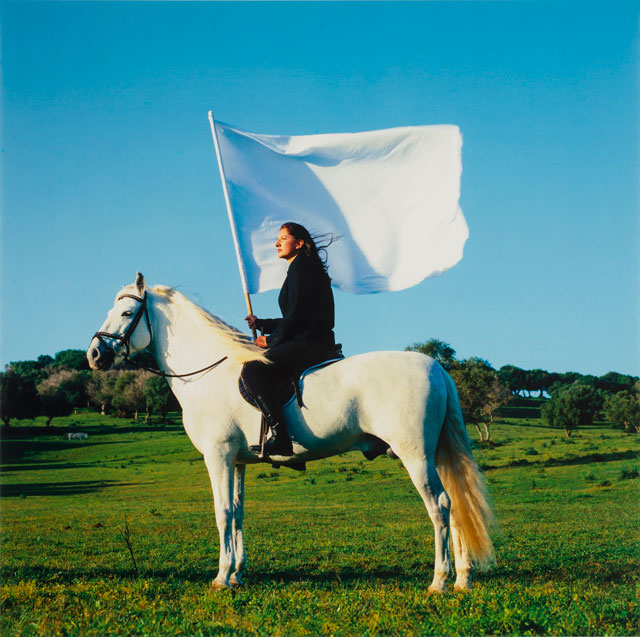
x: 287, y: 245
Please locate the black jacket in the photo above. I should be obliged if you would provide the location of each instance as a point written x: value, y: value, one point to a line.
x: 306, y: 302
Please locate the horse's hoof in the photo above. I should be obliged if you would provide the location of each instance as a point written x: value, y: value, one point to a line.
x: 220, y: 586
x: 235, y: 581
x: 461, y: 588
x: 436, y: 590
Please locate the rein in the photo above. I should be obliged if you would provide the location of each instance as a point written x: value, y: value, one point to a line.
x: 157, y: 372
x: 124, y: 338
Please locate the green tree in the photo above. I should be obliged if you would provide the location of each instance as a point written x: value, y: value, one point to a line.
x: 572, y: 406
x: 101, y: 389
x: 158, y: 395
x: 562, y: 380
x: 75, y: 387
x: 44, y: 360
x: 54, y: 400
x: 588, y: 379
x: 72, y: 359
x: 538, y: 380
x: 497, y: 396
x: 33, y: 371
x: 129, y: 395
x: 532, y: 380
x: 481, y: 393
x: 513, y: 377
x: 613, y: 382
x: 623, y: 409
x: 18, y: 397
x: 437, y: 349
x: 142, y: 359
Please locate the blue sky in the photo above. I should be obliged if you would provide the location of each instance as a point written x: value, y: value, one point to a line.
x: 108, y: 166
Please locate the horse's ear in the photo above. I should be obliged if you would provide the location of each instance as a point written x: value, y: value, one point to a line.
x: 140, y: 283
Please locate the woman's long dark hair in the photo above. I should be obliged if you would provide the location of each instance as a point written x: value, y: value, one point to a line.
x: 315, y: 246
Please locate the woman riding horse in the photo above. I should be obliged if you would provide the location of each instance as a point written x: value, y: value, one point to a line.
x: 301, y: 338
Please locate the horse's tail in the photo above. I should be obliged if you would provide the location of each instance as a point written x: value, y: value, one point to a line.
x: 470, y: 504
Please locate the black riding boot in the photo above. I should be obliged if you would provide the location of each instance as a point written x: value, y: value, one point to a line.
x: 279, y: 444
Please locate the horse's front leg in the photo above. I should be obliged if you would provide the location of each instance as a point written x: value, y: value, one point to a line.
x: 221, y: 470
x: 238, y: 517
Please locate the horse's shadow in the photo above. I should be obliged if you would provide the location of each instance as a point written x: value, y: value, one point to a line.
x: 347, y: 574
x: 341, y: 575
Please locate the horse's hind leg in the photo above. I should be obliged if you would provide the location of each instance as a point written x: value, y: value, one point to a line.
x: 238, y: 516
x: 462, y: 559
x: 427, y: 481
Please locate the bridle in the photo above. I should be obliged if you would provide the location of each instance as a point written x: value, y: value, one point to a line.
x: 126, y: 337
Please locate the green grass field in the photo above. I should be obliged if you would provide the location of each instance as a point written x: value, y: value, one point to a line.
x: 345, y: 548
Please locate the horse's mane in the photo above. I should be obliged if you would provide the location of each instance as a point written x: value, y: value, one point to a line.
x: 236, y: 345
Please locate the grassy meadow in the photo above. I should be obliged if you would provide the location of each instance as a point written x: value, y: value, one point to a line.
x: 344, y: 548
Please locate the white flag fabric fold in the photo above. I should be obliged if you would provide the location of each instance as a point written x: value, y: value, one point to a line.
x: 390, y: 195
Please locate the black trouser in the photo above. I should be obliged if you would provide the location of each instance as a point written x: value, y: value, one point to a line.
x: 288, y: 359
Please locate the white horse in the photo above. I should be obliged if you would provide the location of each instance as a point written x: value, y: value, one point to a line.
x: 402, y: 399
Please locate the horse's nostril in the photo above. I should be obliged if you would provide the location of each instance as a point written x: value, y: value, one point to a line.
x: 95, y: 353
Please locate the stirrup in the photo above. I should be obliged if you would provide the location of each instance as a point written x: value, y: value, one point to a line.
x: 284, y: 446
x: 296, y: 466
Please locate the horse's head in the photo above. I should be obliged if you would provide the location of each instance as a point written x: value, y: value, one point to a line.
x: 121, y: 334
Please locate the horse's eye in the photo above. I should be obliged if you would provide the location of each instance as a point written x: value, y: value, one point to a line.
x: 126, y: 313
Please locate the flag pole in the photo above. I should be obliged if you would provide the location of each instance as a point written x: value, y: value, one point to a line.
x: 232, y: 221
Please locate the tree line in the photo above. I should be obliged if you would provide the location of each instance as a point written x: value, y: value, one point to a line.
x: 569, y: 399
x: 55, y: 386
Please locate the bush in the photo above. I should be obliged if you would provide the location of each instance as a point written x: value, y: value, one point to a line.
x: 480, y: 391
x: 629, y: 474
x: 129, y: 395
x: 158, y: 395
x: 613, y: 382
x: 437, y: 349
x: 54, y: 400
x: 19, y: 398
x: 623, y: 410
x: 572, y: 406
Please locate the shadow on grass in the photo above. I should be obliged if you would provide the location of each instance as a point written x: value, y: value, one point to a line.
x: 12, y: 451
x: 72, y: 575
x: 60, y: 488
x: 530, y: 423
x: 93, y: 429
x: 108, y: 430
x: 48, y: 466
x: 513, y: 575
x: 566, y: 462
x: 347, y: 575
x: 571, y: 573
x: 206, y: 576
x: 344, y: 574
x: 538, y: 423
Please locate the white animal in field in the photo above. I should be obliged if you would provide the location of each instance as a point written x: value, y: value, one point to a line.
x: 77, y: 436
x: 403, y: 400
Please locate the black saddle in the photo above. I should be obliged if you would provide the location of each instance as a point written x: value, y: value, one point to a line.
x: 287, y: 388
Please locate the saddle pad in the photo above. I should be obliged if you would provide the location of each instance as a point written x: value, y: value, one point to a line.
x: 308, y: 371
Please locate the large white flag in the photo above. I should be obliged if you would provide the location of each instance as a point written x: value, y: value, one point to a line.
x: 390, y: 195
